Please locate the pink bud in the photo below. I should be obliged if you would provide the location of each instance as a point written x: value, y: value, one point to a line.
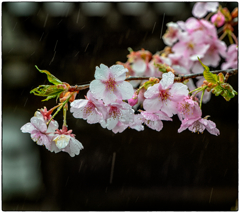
x: 218, y: 19
x: 133, y: 100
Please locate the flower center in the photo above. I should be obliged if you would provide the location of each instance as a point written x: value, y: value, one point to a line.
x: 197, y: 127
x: 190, y: 45
x: 111, y: 84
x: 89, y: 108
x: 114, y: 112
x: 164, y: 95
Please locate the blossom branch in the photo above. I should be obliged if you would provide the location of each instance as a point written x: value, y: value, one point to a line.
x: 229, y: 72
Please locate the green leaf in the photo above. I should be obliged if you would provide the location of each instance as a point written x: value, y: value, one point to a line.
x: 51, y: 78
x: 49, y: 91
x: 210, y: 77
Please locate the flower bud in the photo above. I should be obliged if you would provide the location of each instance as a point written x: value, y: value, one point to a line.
x: 133, y: 101
x: 218, y: 19
x: 234, y: 13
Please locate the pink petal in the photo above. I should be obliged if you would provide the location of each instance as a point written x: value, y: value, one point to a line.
x: 118, y: 72
x: 102, y: 72
x: 97, y: 88
x: 39, y: 124
x: 139, y: 66
x: 178, y: 91
x: 199, y: 10
x: 111, y: 123
x: 163, y: 116
x: 78, y: 104
x: 169, y: 107
x: 126, y: 90
x: 27, y: 128
x: 153, y: 104
x: 211, y: 6
x: 155, y: 125
x: 152, y: 91
x: 167, y: 80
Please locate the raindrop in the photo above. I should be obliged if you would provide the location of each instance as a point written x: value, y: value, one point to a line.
x: 162, y: 25
x: 45, y: 21
x: 14, y: 26
x: 25, y: 102
x: 86, y: 48
x: 153, y: 27
x: 41, y: 37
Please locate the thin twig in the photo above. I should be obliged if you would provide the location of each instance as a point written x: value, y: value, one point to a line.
x: 230, y: 72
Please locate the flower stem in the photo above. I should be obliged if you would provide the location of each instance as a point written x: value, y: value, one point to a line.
x: 234, y: 38
x: 223, y: 36
x: 202, y: 98
x: 230, y: 38
x: 65, y: 115
x: 59, y: 108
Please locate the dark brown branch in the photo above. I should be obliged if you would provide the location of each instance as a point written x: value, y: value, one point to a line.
x: 229, y: 72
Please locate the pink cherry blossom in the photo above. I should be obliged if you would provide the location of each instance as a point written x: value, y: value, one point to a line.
x: 40, y: 132
x: 154, y: 119
x: 89, y: 109
x: 191, y: 45
x: 165, y: 95
x: 66, y: 142
x: 118, y: 111
x: 192, y: 25
x: 231, y: 57
x: 188, y: 108
x: 218, y: 19
x: 200, y: 9
x: 171, y: 36
x: 216, y: 48
x: 110, y: 85
x: 199, y: 125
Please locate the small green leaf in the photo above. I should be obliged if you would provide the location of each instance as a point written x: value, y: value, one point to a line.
x: 49, y: 91
x: 51, y: 78
x: 217, y: 90
x: 210, y: 77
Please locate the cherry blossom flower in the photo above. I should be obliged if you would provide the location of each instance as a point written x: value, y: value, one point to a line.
x: 118, y: 111
x: 171, y: 36
x: 89, y: 109
x: 110, y: 85
x: 66, y: 142
x: 218, y: 19
x: 188, y: 108
x: 40, y: 132
x: 199, y: 124
x: 231, y: 57
x: 191, y: 45
x: 192, y: 25
x: 165, y: 95
x: 212, y: 55
x: 200, y: 9
x: 154, y: 119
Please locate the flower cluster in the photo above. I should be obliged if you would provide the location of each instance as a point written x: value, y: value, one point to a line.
x: 125, y: 96
x: 187, y: 41
x: 50, y: 136
x: 105, y: 104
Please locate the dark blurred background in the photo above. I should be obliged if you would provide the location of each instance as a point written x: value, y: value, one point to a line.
x: 131, y: 171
